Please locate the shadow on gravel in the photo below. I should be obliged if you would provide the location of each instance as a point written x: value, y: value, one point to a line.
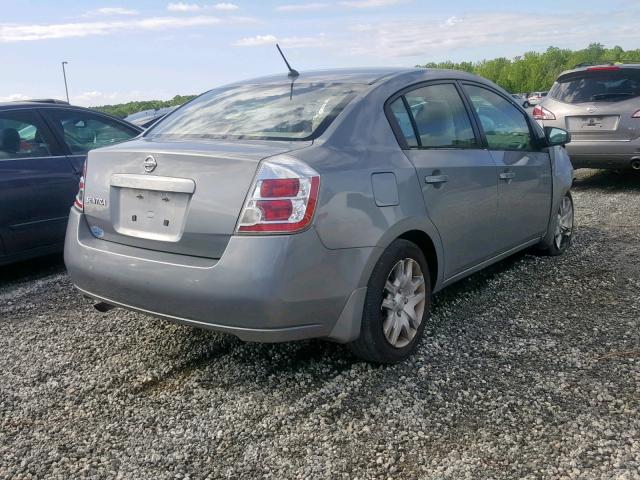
x: 608, y: 181
x: 31, y: 270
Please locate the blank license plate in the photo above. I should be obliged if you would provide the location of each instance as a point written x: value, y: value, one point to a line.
x: 152, y: 214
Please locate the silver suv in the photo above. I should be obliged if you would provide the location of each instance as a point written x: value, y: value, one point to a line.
x: 600, y: 106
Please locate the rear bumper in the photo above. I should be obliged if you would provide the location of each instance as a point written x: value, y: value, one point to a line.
x: 264, y: 288
x: 603, y: 154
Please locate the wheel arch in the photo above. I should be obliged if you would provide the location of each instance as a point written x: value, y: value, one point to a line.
x: 425, y: 243
x: 421, y: 232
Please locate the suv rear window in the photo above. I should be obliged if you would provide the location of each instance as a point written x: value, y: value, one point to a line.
x: 273, y: 112
x: 597, y: 86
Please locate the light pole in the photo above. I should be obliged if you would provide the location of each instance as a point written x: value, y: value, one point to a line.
x: 64, y: 74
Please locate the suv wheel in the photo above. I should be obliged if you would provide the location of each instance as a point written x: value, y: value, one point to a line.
x: 396, y: 306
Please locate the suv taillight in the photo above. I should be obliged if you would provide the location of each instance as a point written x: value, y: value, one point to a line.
x: 541, y: 113
x: 79, y: 201
x: 282, y: 199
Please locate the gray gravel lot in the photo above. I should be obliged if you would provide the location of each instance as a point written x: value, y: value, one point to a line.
x: 530, y: 370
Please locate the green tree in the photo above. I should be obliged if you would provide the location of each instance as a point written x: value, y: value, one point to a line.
x: 534, y: 71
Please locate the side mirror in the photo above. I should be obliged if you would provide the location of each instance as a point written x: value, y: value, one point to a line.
x: 556, y: 136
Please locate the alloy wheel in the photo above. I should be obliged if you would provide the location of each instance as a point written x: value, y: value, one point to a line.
x: 564, y: 227
x: 403, y: 302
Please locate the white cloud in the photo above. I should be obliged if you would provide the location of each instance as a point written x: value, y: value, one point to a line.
x: 435, y: 38
x: 256, y: 41
x: 14, y: 97
x: 452, y: 21
x: 111, y: 11
x: 226, y: 6
x: 315, y: 41
x: 301, y: 7
x: 371, y: 3
x: 196, y: 7
x: 31, y: 32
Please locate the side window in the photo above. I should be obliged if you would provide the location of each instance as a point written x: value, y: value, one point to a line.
x: 404, y: 122
x: 22, y: 135
x: 440, y: 117
x: 84, y: 131
x: 505, y: 127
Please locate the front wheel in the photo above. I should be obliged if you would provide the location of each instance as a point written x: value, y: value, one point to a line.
x: 396, y: 306
x: 562, y: 227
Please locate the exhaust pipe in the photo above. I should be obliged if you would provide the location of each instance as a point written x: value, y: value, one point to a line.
x: 103, y: 307
x: 635, y: 163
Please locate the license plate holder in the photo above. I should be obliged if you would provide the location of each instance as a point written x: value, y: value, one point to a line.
x: 151, y: 214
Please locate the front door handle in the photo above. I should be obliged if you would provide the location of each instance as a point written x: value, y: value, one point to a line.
x: 436, y: 179
x: 507, y: 175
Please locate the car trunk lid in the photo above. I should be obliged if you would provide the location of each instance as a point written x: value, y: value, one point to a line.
x: 173, y: 196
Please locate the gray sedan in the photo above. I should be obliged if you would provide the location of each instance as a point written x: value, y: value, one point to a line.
x: 332, y: 205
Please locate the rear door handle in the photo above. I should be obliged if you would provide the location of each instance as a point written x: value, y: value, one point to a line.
x: 507, y: 175
x: 435, y: 179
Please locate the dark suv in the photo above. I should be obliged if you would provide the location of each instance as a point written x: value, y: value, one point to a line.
x: 43, y: 145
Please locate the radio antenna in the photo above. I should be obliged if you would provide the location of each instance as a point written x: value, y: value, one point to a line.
x: 293, y: 73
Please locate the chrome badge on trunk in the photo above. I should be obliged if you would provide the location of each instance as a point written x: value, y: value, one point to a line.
x: 149, y: 164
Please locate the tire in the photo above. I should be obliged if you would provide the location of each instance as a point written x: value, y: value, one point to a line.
x: 395, y: 315
x: 562, y: 228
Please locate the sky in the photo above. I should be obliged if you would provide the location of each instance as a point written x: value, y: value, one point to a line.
x: 118, y: 51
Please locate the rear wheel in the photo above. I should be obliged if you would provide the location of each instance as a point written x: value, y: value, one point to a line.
x: 396, y: 306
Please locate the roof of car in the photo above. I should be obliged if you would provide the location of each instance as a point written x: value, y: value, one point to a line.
x: 336, y: 75
x: 585, y: 67
x: 37, y: 104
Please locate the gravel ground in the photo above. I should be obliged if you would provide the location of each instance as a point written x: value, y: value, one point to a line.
x: 530, y: 370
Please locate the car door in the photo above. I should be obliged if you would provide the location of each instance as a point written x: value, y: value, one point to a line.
x: 458, y: 177
x: 82, y: 130
x: 37, y: 183
x: 524, y: 167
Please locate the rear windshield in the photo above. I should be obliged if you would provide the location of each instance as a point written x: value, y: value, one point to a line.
x: 273, y: 112
x: 597, y: 86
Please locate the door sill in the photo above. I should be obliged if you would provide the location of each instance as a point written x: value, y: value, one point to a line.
x: 486, y: 263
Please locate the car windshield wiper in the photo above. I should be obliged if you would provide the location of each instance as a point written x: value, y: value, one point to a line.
x: 602, y: 96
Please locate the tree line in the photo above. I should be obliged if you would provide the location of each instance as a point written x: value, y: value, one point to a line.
x: 530, y: 72
x: 535, y: 71
x: 124, y: 109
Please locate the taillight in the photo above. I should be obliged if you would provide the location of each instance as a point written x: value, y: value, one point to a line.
x: 79, y: 201
x: 636, y: 115
x: 283, y: 198
x: 541, y: 113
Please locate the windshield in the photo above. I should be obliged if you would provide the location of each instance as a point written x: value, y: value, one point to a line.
x: 274, y: 112
x: 597, y: 86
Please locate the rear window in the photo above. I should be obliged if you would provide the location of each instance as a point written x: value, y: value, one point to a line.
x: 597, y: 86
x: 273, y: 112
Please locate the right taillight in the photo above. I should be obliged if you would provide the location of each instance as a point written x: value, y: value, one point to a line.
x: 636, y: 115
x: 79, y: 201
x: 541, y: 113
x: 282, y: 199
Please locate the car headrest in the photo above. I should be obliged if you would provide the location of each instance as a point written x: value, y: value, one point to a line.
x: 10, y: 140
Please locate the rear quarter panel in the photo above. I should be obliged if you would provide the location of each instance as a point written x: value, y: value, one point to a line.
x: 358, y: 144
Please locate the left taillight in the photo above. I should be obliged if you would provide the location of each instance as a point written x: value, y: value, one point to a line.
x: 79, y: 201
x: 541, y: 113
x: 282, y: 199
